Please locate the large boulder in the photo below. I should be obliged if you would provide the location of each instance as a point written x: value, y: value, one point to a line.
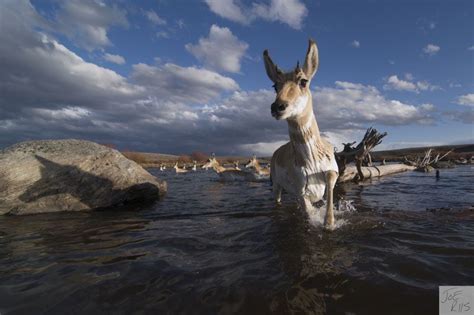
x: 71, y: 175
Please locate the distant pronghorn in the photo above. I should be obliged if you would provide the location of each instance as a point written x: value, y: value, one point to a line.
x: 236, y: 166
x: 179, y: 170
x: 253, y: 162
x: 306, y: 165
x: 194, y: 166
x: 228, y: 174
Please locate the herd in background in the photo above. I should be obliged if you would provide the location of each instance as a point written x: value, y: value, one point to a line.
x: 251, y: 171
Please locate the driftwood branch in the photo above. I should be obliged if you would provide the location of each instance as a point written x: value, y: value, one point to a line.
x: 369, y: 172
x: 426, y: 163
x: 359, y: 154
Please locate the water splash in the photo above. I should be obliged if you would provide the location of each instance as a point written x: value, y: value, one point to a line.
x: 345, y: 206
x: 342, y: 207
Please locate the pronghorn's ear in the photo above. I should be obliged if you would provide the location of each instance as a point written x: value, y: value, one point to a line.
x: 312, y: 60
x: 272, y: 70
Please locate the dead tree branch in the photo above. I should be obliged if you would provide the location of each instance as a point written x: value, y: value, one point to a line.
x: 360, y: 153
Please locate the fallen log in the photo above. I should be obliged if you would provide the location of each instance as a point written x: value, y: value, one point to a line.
x: 351, y: 173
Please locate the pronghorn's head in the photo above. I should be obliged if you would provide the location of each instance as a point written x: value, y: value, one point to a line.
x: 210, y: 163
x: 292, y: 88
x: 252, y: 162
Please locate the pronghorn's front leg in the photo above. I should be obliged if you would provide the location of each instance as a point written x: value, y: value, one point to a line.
x: 331, y: 177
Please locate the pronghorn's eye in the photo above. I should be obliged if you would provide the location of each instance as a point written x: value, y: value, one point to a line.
x: 303, y: 83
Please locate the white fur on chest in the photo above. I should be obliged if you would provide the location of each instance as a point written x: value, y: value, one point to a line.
x: 309, y: 179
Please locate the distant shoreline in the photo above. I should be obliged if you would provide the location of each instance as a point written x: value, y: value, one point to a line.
x: 149, y: 159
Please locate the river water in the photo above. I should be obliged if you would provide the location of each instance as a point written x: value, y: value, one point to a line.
x: 210, y: 247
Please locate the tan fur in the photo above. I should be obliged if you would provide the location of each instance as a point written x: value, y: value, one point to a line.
x: 228, y: 173
x: 306, y: 165
x: 256, y: 165
x: 179, y: 170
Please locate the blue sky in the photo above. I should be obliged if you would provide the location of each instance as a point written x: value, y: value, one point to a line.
x: 178, y: 76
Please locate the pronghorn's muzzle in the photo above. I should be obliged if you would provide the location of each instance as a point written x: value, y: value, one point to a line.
x: 278, y: 108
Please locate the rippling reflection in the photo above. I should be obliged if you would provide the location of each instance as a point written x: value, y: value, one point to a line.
x: 212, y: 247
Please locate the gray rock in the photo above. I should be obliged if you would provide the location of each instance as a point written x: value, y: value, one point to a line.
x: 71, y: 175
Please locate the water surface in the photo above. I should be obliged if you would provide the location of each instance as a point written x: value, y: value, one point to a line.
x: 212, y: 247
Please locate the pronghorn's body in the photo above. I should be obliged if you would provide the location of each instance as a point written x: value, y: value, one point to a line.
x: 179, y: 170
x: 306, y: 165
x: 162, y: 167
x: 256, y: 165
x: 228, y: 174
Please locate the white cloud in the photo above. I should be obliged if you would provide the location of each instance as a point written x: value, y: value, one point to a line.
x: 290, y: 12
x: 463, y: 116
x: 466, y: 100
x: 427, y: 107
x: 431, y: 49
x: 114, y: 58
x: 454, y: 85
x: 355, y: 43
x: 407, y: 144
x: 87, y: 22
x: 394, y: 83
x: 262, y: 148
x: 182, y: 84
x: 154, y: 18
x: 180, y: 23
x: 228, y: 9
x: 350, y: 105
x: 162, y: 34
x: 222, y: 50
x: 69, y: 112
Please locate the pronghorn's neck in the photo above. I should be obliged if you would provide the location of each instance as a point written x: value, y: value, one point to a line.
x: 305, y: 137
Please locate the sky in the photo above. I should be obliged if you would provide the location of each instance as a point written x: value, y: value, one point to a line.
x: 177, y: 76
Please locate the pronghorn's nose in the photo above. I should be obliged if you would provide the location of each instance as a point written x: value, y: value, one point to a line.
x: 278, y: 107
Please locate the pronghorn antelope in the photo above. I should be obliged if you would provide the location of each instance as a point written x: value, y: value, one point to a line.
x: 236, y: 166
x: 306, y: 165
x: 162, y: 168
x: 179, y: 170
x: 228, y: 174
x: 194, y: 166
x: 253, y: 162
